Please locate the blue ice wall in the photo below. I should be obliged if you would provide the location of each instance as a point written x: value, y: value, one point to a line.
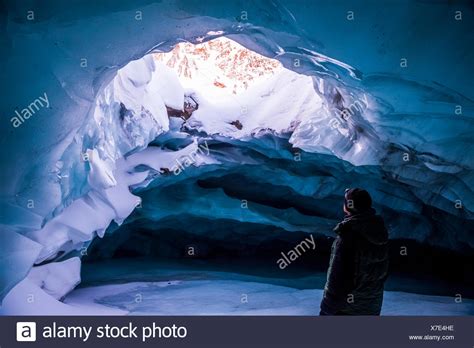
x: 426, y: 108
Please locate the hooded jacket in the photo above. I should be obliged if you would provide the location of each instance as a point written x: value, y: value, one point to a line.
x: 358, y: 266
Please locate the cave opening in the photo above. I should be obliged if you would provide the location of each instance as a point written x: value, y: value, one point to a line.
x: 224, y: 73
x: 256, y: 183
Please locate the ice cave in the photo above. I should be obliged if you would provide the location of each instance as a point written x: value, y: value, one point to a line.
x: 159, y: 157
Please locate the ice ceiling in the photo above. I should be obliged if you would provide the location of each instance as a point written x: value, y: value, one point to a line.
x: 116, y: 133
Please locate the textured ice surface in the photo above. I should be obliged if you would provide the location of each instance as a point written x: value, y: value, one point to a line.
x: 48, y: 188
x: 17, y: 254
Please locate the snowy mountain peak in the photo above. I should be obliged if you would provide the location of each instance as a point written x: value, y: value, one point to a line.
x: 220, y: 63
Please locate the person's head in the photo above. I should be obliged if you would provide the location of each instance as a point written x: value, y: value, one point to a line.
x: 356, y: 201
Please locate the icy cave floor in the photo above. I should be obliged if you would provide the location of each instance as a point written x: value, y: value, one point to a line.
x: 179, y: 290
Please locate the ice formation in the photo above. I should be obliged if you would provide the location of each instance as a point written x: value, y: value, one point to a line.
x: 57, y: 278
x: 312, y: 127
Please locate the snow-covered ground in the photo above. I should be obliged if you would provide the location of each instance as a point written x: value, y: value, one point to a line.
x: 146, y: 287
x: 136, y: 286
x: 236, y: 297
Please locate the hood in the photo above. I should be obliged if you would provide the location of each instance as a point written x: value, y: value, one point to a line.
x: 369, y: 225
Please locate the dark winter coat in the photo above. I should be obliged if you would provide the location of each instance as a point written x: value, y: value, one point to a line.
x: 358, y: 266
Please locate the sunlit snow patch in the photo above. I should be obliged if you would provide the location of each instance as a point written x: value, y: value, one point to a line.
x: 218, y: 67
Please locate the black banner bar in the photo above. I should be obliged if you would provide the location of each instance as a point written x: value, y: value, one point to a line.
x: 238, y: 331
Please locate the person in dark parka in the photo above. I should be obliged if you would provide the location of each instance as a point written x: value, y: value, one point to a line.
x: 358, y: 265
